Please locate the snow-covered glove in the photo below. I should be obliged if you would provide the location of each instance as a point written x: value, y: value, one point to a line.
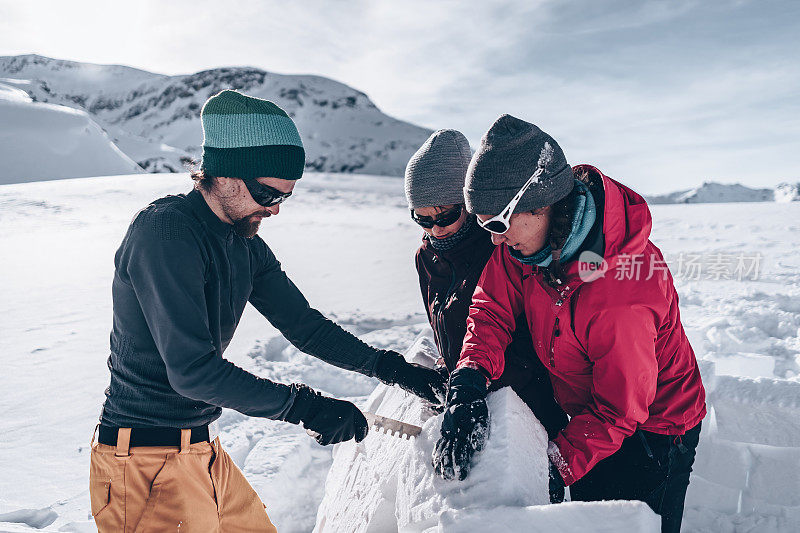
x: 329, y: 419
x: 465, y: 425
x: 445, y: 373
x: 556, y: 484
x: 427, y: 383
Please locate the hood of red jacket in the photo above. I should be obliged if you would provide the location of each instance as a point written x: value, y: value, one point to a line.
x: 626, y: 218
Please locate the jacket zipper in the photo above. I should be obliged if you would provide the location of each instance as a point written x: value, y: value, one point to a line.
x: 440, y: 312
x: 556, y: 330
x: 556, y: 333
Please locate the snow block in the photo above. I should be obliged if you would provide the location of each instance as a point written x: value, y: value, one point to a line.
x: 723, y: 462
x: 361, y: 487
x: 386, y: 483
x: 571, y: 517
x: 703, y: 494
x: 775, y: 476
x: 762, y: 474
x: 512, y: 470
x: 758, y: 411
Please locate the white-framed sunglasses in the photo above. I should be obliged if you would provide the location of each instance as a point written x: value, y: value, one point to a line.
x: 500, y: 224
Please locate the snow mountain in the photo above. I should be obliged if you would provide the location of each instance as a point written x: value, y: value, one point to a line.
x: 45, y: 141
x: 155, y: 119
x: 787, y: 192
x: 713, y: 193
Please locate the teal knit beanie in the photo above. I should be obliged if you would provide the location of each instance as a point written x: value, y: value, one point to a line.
x: 247, y: 138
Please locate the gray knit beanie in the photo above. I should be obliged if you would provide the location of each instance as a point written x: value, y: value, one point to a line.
x: 435, y: 174
x: 509, y: 154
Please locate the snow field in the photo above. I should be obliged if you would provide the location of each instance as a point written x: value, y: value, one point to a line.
x: 348, y: 243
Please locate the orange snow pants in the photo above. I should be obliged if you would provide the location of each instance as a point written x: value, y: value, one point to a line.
x: 194, y: 488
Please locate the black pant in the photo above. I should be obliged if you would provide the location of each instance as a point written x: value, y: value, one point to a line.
x: 649, y: 467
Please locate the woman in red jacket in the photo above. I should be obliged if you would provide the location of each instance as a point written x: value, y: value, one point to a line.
x: 574, y: 256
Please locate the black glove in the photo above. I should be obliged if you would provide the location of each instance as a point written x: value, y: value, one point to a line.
x: 332, y: 420
x: 465, y: 425
x: 425, y: 382
x: 556, y: 484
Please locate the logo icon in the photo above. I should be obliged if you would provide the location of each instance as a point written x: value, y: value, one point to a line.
x: 591, y: 266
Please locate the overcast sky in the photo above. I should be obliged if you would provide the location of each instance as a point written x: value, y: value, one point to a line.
x: 659, y: 94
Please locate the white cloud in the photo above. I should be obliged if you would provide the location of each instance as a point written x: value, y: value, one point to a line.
x: 663, y: 94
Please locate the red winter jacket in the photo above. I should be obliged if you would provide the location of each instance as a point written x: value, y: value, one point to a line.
x: 617, y: 353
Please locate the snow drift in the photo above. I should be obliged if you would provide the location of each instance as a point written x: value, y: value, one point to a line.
x: 45, y: 141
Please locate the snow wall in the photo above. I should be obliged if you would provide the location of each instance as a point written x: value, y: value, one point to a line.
x: 386, y: 484
x: 748, y: 460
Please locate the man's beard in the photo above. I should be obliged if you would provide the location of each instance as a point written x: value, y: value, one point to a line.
x: 246, y: 227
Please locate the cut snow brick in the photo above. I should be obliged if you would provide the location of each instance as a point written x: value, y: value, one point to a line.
x: 703, y: 494
x: 761, y: 473
x: 775, y: 475
x: 389, y: 481
x: 571, y: 517
x: 386, y: 483
x: 759, y: 411
x: 512, y: 470
x: 723, y: 462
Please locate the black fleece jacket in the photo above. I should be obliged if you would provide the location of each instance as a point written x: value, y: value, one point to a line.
x: 182, y: 280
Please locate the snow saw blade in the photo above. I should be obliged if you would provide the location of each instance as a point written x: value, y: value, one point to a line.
x: 393, y: 427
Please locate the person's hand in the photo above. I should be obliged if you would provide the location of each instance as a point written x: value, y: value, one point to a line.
x: 330, y: 420
x: 422, y: 381
x: 465, y: 425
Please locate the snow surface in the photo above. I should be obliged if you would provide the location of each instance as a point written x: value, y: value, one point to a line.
x: 46, y: 141
x: 348, y: 243
x: 155, y: 119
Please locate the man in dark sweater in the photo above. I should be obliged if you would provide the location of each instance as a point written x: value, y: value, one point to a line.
x: 186, y: 268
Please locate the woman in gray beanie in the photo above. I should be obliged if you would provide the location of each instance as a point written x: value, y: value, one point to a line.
x: 449, y: 262
x: 613, y: 343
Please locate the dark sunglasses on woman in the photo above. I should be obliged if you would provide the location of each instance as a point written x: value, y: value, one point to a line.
x: 265, y: 195
x: 444, y: 219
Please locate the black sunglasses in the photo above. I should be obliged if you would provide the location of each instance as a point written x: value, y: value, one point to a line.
x: 445, y: 219
x: 264, y: 194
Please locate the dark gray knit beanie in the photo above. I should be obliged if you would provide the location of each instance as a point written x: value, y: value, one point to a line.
x: 435, y: 174
x: 509, y: 154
